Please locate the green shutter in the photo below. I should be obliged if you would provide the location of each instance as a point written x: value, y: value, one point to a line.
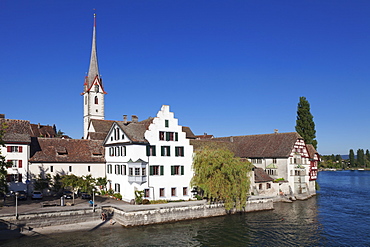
x: 169, y: 151
x: 151, y: 170
x: 166, y: 123
x: 182, y: 170
x: 176, y: 151
x: 167, y: 136
x: 176, y: 136
x: 162, y: 150
x: 147, y: 150
x: 172, y: 170
x: 154, y: 150
x: 162, y: 172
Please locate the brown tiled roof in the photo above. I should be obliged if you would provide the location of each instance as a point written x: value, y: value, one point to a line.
x: 198, y: 145
x: 135, y: 131
x: 276, y: 145
x: 66, y: 150
x: 261, y: 176
x: 38, y: 130
x: 16, y: 131
x: 311, y: 151
x: 188, y: 132
x: 204, y: 136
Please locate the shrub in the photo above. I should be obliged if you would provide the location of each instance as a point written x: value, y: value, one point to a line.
x: 158, y: 202
x: 118, y: 196
x: 146, y: 201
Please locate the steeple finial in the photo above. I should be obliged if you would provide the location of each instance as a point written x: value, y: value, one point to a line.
x: 93, y: 69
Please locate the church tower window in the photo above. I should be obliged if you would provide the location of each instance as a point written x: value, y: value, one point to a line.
x: 96, y: 100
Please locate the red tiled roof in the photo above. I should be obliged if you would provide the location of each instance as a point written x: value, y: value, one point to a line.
x: 16, y: 130
x: 188, y: 132
x: 66, y: 150
x: 38, y: 130
x: 311, y: 151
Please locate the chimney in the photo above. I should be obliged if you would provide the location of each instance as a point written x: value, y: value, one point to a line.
x: 124, y: 119
x: 2, y: 115
x: 38, y: 126
x: 231, y: 139
x: 134, y: 119
x: 276, y: 131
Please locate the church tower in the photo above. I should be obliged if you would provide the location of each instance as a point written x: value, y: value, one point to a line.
x: 93, y: 93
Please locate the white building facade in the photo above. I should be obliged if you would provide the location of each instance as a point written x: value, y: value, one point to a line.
x: 153, y: 156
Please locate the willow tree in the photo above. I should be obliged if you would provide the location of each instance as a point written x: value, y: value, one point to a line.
x: 222, y: 176
x: 305, y: 125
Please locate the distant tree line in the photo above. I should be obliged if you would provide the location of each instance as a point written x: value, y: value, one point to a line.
x: 360, y: 160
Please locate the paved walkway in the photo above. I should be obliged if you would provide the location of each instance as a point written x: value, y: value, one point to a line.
x: 35, y: 206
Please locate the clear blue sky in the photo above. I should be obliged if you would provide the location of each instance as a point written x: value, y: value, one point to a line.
x: 224, y: 67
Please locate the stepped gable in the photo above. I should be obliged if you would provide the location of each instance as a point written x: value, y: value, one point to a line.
x: 276, y: 145
x: 260, y: 176
x: 16, y: 131
x: 66, y: 150
x: 38, y: 130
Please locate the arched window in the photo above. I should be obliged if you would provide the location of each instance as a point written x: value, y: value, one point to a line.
x: 96, y: 100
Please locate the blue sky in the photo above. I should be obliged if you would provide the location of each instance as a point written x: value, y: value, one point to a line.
x: 225, y: 67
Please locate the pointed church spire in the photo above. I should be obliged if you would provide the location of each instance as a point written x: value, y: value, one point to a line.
x: 93, y: 69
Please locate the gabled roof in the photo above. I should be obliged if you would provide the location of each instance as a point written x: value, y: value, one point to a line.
x: 261, y: 176
x: 101, y: 128
x: 188, y: 132
x: 311, y: 151
x: 66, y: 150
x: 16, y: 131
x: 38, y: 130
x: 276, y: 145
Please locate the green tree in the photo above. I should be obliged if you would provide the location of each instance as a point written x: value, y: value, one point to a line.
x: 101, y: 182
x: 72, y: 182
x: 87, y: 183
x: 222, y: 176
x: 360, y: 158
x: 42, y: 182
x: 3, y: 164
x: 305, y: 125
x: 352, y: 161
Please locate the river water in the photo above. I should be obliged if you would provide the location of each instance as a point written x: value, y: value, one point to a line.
x: 338, y: 216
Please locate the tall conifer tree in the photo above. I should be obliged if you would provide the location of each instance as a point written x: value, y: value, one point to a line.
x: 305, y: 125
x: 351, y: 158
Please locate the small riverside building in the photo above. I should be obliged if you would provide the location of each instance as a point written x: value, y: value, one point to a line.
x: 153, y: 156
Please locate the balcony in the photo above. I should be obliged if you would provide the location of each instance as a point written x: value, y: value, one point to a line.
x: 137, y: 179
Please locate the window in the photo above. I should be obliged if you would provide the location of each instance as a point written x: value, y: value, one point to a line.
x: 176, y: 136
x: 146, y: 192
x: 271, y: 172
x: 274, y: 161
x: 166, y: 123
x: 161, y: 192
x: 117, y: 188
x: 109, y: 169
x: 88, y: 169
x: 165, y: 151
x: 260, y: 186
x: 268, y: 186
x: 156, y: 170
x: 173, y: 191
x: 14, y: 149
x: 143, y: 171
x: 123, y: 169
x: 96, y: 100
x: 117, y: 169
x: 137, y: 171
x: 70, y: 168
x: 177, y: 170
x: 51, y: 168
x: 96, y: 88
x: 130, y: 171
x: 116, y: 134
x: 170, y: 136
x: 161, y: 135
x: 150, y: 151
x: 14, y: 178
x: 179, y: 151
x: 117, y: 151
x: 185, y: 191
x: 257, y: 161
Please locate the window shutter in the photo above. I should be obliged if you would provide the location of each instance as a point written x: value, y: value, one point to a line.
x: 176, y: 136
x: 147, y: 150
x: 167, y: 136
x: 9, y: 149
x: 124, y: 151
x: 19, y: 177
x: 169, y: 153
x: 182, y: 170
x: 20, y: 148
x: 176, y: 151
x: 154, y: 150
x: 162, y: 150
x: 150, y: 170
x: 162, y: 170
x: 19, y: 163
x: 172, y: 170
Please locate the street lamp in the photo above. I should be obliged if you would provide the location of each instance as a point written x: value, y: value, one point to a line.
x: 16, y: 203
x: 93, y: 190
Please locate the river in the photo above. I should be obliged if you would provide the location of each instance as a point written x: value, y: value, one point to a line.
x: 338, y: 216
